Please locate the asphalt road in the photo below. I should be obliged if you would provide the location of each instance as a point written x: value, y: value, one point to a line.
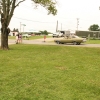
x: 49, y: 41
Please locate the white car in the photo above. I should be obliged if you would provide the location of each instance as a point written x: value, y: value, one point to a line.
x: 57, y: 34
x: 26, y: 35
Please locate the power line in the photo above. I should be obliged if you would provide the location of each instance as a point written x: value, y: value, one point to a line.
x: 30, y: 8
x: 77, y: 23
x: 33, y: 20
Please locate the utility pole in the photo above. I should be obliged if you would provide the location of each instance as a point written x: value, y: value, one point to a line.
x: 77, y: 23
x: 61, y: 26
x: 57, y: 26
x: 20, y: 27
x: 23, y: 27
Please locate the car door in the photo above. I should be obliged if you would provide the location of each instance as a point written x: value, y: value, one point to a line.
x: 66, y: 40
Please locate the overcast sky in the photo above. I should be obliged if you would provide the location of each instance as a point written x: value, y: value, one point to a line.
x: 68, y: 11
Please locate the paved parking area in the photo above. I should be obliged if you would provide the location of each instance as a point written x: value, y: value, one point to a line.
x: 49, y: 41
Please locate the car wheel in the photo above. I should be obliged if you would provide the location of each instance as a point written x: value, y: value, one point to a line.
x: 62, y: 43
x: 74, y: 43
x: 58, y: 42
x: 78, y: 43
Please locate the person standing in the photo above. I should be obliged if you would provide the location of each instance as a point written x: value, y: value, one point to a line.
x: 20, y: 38
x: 17, y: 38
x: 44, y: 37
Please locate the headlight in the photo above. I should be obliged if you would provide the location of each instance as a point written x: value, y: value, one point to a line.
x: 84, y: 40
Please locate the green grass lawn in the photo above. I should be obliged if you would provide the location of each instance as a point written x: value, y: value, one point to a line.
x: 93, y: 41
x: 30, y: 38
x: 42, y: 72
x: 38, y: 37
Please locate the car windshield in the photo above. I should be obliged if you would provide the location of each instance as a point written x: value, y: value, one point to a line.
x: 75, y: 37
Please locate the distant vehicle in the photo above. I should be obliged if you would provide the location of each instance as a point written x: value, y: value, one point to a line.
x: 71, y: 39
x: 57, y: 34
x: 50, y: 34
x: 26, y: 35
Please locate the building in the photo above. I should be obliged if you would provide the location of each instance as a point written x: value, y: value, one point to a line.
x: 13, y: 33
x: 95, y: 34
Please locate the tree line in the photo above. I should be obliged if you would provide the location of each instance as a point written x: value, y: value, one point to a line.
x: 94, y: 27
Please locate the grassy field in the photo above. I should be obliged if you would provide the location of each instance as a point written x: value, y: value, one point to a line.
x: 30, y: 38
x: 93, y: 41
x: 41, y: 72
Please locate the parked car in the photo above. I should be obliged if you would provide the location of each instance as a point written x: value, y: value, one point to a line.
x: 57, y: 34
x: 26, y: 35
x: 71, y: 39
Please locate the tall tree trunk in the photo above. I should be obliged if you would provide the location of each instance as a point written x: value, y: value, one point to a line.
x: 4, y: 32
x: 4, y: 38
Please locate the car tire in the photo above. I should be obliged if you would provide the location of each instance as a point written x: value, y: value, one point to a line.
x: 78, y: 43
x: 58, y: 42
x: 74, y: 43
x: 62, y: 43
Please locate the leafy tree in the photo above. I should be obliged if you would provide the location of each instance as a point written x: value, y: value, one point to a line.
x: 17, y: 30
x: 14, y: 30
x: 7, y: 8
x: 94, y: 27
x: 44, y: 32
